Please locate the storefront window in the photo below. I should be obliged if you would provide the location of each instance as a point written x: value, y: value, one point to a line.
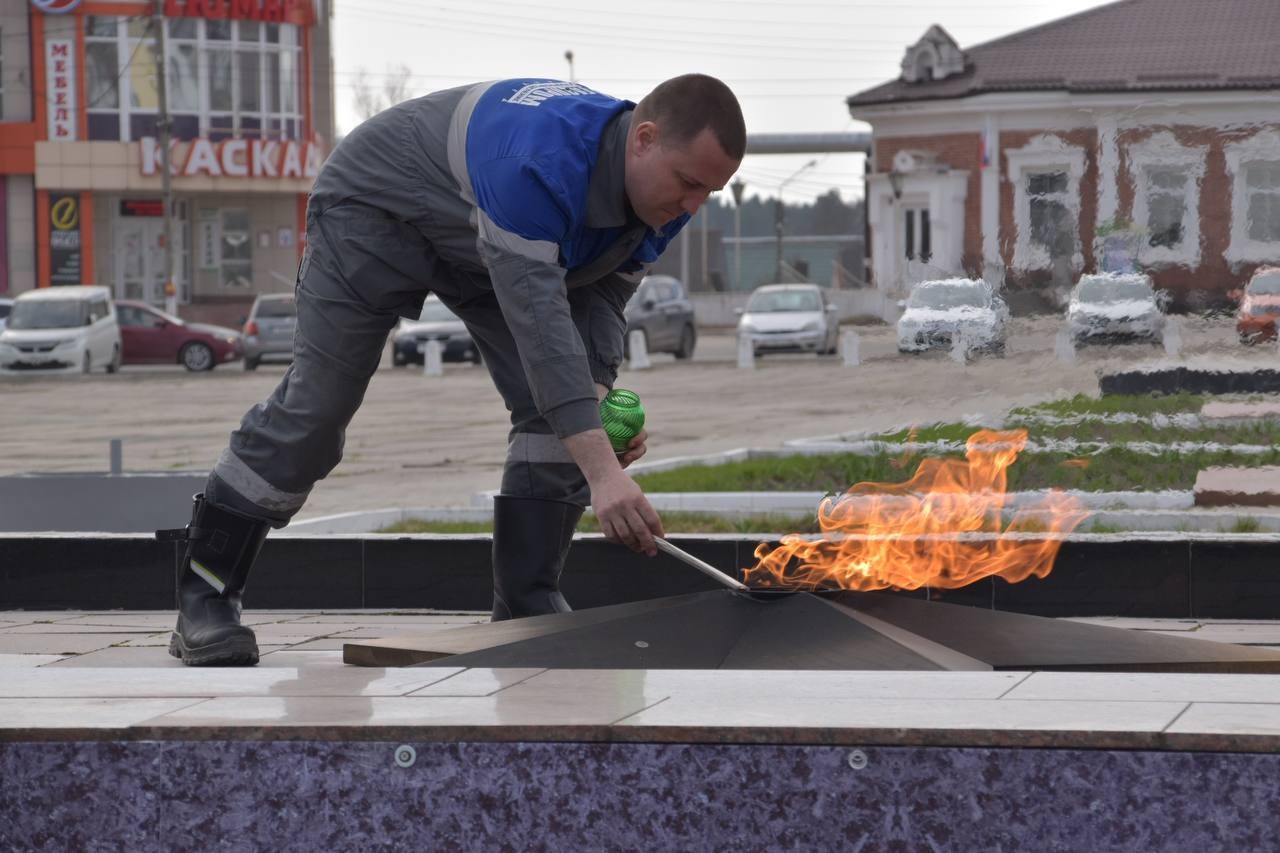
x: 237, y: 249
x: 225, y: 78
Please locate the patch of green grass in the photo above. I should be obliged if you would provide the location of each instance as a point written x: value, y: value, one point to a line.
x: 1245, y: 525
x: 672, y: 522
x: 1141, y: 404
x: 1101, y: 528
x: 1115, y: 469
x: 832, y: 473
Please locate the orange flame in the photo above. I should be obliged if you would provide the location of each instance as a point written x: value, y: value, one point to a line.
x: 943, y: 528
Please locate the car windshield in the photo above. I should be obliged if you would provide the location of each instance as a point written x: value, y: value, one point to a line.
x: 784, y: 300
x: 1115, y: 290
x: 276, y: 308
x: 434, y: 311
x: 47, y: 314
x: 947, y: 296
x: 1264, y: 285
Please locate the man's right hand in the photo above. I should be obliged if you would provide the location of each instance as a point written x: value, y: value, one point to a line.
x: 625, y: 514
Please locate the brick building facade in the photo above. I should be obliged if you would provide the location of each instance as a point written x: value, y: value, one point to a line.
x: 1019, y: 159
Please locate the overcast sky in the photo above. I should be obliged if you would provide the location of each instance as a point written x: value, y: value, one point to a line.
x: 791, y: 63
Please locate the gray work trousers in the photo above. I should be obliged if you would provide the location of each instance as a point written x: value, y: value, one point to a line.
x: 360, y: 273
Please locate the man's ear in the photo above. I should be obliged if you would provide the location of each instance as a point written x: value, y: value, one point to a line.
x: 645, y: 136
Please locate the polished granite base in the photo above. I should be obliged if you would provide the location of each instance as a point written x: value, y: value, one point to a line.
x: 144, y: 796
x: 108, y: 743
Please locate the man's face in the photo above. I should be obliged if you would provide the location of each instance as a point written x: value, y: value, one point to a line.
x: 664, y: 181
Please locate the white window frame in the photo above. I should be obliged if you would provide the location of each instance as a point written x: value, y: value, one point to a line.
x: 1261, y: 147
x: 1162, y: 150
x: 1044, y: 153
x: 289, y: 42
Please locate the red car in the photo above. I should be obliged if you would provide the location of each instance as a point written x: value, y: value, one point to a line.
x: 1259, y: 307
x: 151, y: 336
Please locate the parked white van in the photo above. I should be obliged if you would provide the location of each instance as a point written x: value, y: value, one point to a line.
x: 65, y: 328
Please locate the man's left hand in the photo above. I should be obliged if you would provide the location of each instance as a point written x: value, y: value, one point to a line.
x: 635, y: 449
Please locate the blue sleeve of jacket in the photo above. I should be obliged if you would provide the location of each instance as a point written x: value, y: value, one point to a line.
x: 524, y: 210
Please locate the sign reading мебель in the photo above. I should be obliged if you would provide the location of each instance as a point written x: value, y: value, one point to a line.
x: 64, y: 238
x: 235, y: 158
x: 60, y: 77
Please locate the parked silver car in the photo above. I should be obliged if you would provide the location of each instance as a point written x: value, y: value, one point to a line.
x: 269, y: 328
x: 790, y: 318
x: 1111, y: 307
x: 661, y: 309
x: 438, y: 323
x: 937, y: 311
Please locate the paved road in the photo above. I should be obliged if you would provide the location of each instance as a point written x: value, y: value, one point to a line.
x: 422, y: 441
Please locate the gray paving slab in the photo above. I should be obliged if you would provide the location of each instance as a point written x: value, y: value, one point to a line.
x: 22, y: 661
x: 61, y: 712
x: 1147, y: 686
x: 1230, y: 719
x: 1167, y: 625
x: 705, y: 708
x: 1243, y: 634
x: 128, y: 657
x: 73, y: 628
x: 745, y: 686
x: 478, y: 682
x: 498, y: 710
x: 57, y: 644
x: 155, y: 681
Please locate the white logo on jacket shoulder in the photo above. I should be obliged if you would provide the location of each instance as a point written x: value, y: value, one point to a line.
x: 534, y: 94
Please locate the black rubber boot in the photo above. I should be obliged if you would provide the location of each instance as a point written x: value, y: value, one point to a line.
x: 531, y: 538
x: 221, y: 548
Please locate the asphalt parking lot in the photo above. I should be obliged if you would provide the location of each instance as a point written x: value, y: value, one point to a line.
x: 435, y: 441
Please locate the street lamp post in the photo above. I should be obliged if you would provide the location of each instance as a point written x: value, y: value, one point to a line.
x: 779, y: 215
x: 737, y: 186
x: 568, y: 55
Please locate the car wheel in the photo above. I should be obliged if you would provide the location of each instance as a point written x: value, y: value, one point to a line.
x: 688, y: 339
x: 196, y: 357
x: 114, y: 364
x: 397, y: 360
x: 250, y: 363
x: 476, y: 358
x: 86, y: 366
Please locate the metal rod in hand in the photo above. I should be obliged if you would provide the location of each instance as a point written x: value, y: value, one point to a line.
x: 706, y: 568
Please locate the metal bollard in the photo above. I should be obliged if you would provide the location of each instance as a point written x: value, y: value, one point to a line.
x: 746, y: 353
x: 117, y: 456
x: 850, y: 344
x: 639, y: 351
x: 432, y: 358
x: 1172, y: 337
x: 1063, y: 347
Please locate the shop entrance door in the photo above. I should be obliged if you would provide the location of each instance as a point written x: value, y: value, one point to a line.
x: 139, y: 255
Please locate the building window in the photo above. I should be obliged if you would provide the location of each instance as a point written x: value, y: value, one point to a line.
x: 1166, y: 206
x: 1254, y: 169
x: 237, y: 249
x: 225, y: 78
x: 1045, y: 174
x: 1262, y: 189
x: 1053, y: 224
x: 1166, y: 203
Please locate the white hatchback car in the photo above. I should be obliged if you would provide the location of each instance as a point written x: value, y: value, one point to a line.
x: 65, y: 328
x: 790, y: 318
x: 937, y: 311
x: 1114, y: 307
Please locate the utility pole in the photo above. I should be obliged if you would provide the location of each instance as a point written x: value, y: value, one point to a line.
x: 163, y: 125
x: 779, y: 215
x: 738, y: 186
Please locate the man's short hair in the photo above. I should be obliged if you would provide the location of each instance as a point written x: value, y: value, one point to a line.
x: 683, y: 106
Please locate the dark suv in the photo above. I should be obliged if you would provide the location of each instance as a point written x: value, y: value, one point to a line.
x: 664, y: 313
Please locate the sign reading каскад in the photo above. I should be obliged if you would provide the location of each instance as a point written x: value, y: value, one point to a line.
x: 276, y: 11
x: 235, y: 158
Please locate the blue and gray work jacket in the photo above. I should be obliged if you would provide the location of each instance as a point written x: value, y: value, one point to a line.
x: 520, y: 181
